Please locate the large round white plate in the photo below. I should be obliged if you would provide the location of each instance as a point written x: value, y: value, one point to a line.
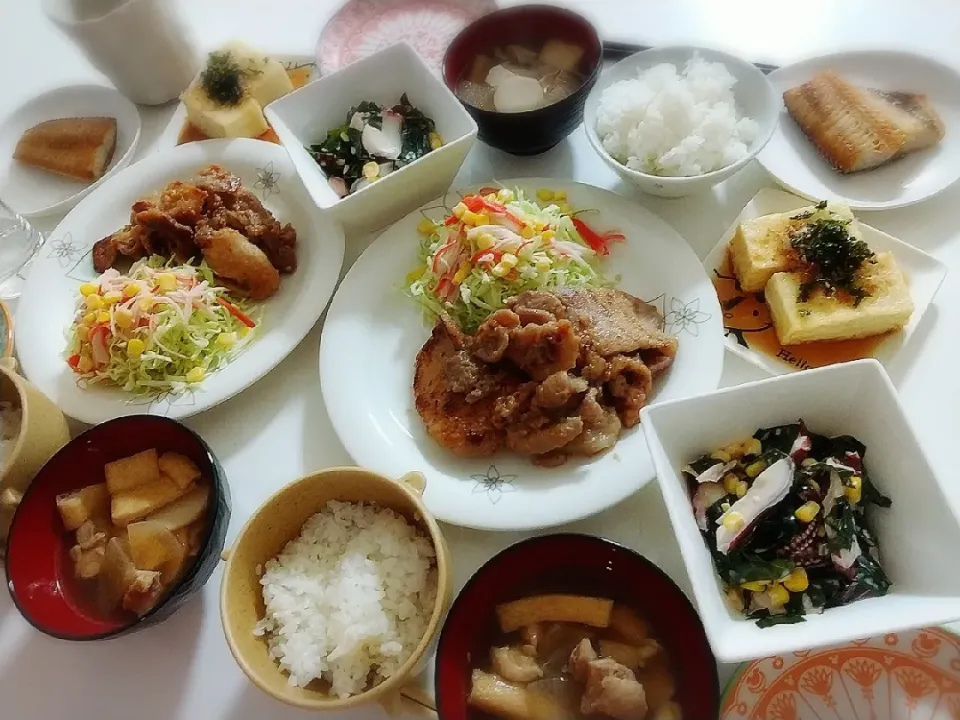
x: 795, y: 163
x: 47, y: 305
x: 373, y: 332
x: 34, y: 192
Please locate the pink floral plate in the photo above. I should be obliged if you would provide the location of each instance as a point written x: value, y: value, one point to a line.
x: 362, y: 27
x: 903, y: 676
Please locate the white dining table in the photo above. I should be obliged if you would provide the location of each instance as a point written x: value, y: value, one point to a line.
x: 279, y: 430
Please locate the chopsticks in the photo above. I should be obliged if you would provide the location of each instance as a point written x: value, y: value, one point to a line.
x: 619, y: 50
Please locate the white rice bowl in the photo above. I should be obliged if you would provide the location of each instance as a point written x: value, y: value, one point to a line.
x: 350, y: 599
x: 677, y: 123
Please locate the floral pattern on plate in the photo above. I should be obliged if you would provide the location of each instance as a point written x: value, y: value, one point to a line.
x: 899, y: 676
x: 362, y: 27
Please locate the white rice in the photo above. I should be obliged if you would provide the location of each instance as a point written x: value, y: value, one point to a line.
x: 11, y: 418
x: 350, y: 598
x: 672, y: 123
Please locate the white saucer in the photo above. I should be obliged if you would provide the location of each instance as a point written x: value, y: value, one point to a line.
x: 795, y: 163
x: 33, y: 192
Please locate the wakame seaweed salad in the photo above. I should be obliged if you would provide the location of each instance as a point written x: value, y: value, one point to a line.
x: 786, y: 515
x: 374, y: 141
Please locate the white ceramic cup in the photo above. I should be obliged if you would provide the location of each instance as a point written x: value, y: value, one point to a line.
x: 142, y: 46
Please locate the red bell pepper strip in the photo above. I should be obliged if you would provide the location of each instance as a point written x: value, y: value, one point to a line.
x: 476, y: 204
x: 73, y: 361
x: 233, y: 310
x: 597, y: 242
x: 452, y: 220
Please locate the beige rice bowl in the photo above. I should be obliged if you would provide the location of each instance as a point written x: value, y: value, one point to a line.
x: 349, y: 600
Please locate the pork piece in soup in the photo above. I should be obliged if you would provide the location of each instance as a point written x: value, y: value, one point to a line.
x: 571, y: 657
x: 517, y: 78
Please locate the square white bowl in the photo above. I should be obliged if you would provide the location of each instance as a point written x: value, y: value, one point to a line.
x: 304, y: 116
x: 918, y: 535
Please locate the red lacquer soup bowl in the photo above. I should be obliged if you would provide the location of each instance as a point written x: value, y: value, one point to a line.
x: 582, y: 565
x: 39, y: 573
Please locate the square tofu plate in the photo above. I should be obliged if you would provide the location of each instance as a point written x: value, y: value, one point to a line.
x: 917, y: 534
x: 746, y: 319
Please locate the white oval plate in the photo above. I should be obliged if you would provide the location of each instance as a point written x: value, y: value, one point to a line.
x: 795, y: 163
x: 33, y: 192
x: 924, y: 274
x: 46, y: 307
x: 373, y: 332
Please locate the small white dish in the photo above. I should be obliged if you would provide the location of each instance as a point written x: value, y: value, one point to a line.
x: 755, y: 98
x: 170, y: 137
x: 373, y: 333
x: 304, y: 116
x: 796, y: 164
x: 746, y: 318
x: 33, y: 192
x: 48, y: 304
x: 918, y: 535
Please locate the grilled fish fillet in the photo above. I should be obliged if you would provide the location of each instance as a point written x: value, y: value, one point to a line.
x: 79, y: 148
x: 857, y: 128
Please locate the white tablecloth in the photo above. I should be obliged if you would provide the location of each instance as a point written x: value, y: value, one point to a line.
x: 279, y: 429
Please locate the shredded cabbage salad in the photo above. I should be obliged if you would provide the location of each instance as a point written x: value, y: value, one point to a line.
x: 497, y: 244
x: 158, y: 329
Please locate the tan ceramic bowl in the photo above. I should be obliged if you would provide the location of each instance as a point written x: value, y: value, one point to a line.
x: 272, y: 526
x: 43, y: 431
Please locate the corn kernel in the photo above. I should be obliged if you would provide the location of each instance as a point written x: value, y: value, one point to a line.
x: 426, y: 226
x: 90, y: 318
x: 565, y: 208
x: 741, y: 489
x: 752, y: 447
x: 135, y: 347
x: 548, y: 235
x: 85, y: 363
x: 103, y: 317
x: 733, y: 521
x: 469, y: 217
x: 483, y: 219
x: 505, y: 195
x: 735, y: 600
x: 734, y: 450
x: 371, y: 170
x: 490, y: 197
x: 807, y: 512
x: 89, y: 289
x: 730, y: 483
x: 226, y: 340
x: 415, y: 274
x: 853, y: 489
x: 167, y: 281
x: 123, y: 318
x: 130, y: 290
x: 725, y: 506
x: 462, y: 273
x: 435, y: 141
x: 195, y: 375
x: 755, y: 585
x: 559, y: 194
x: 94, y: 302
x: 509, y: 260
x: 545, y: 195
x: 527, y: 232
x: 146, y: 303
x: 458, y: 210
x: 721, y: 455
x: 755, y: 468
x: 499, y: 270
x: 83, y: 333
x: 543, y: 264
x: 778, y: 596
x: 485, y: 241
x: 797, y: 580
x: 112, y: 297
x: 243, y: 331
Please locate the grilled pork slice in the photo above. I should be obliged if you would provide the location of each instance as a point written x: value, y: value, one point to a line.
x: 79, y: 148
x: 858, y: 128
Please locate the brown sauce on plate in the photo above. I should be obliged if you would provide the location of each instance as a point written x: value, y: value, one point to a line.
x: 746, y: 318
x: 299, y: 76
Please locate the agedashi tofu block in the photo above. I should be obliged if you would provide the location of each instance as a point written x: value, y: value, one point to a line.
x: 887, y: 308
x: 142, y: 500
x: 130, y: 472
x: 179, y: 468
x: 78, y: 507
x: 554, y: 608
x: 761, y: 247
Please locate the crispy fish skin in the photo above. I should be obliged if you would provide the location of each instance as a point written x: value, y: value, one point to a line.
x: 857, y: 128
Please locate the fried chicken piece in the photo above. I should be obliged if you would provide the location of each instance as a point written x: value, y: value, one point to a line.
x: 465, y: 428
x: 130, y: 241
x: 104, y: 254
x: 282, y: 249
x: 491, y: 339
x: 541, y: 350
x: 601, y: 427
x: 532, y: 438
x: 629, y: 384
x: 538, y: 306
x: 232, y: 257
x: 165, y: 235
x: 214, y: 179
x: 558, y: 389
